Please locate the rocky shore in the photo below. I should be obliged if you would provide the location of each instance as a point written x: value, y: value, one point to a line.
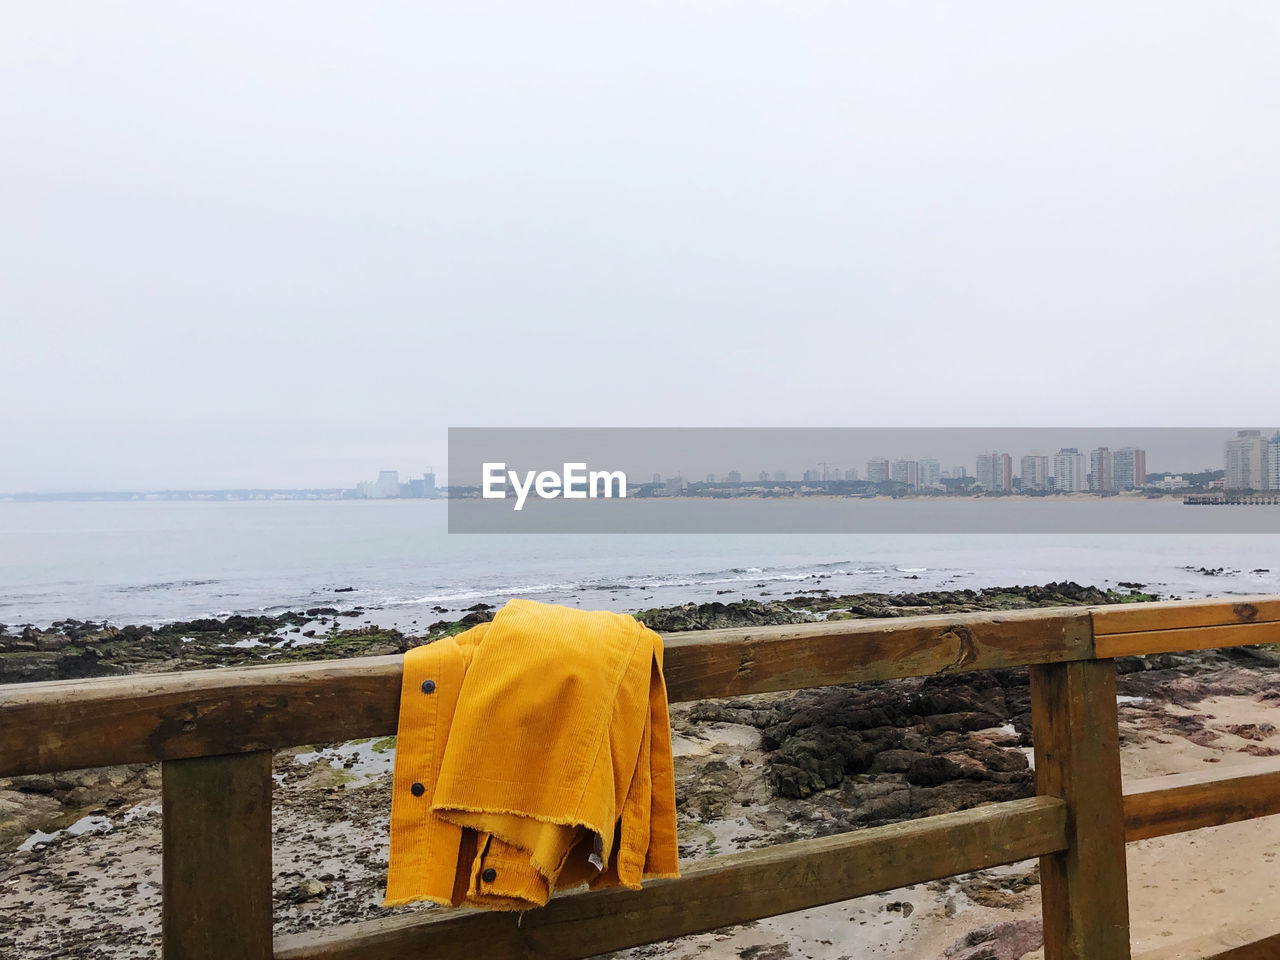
x: 76, y: 649
x: 79, y: 852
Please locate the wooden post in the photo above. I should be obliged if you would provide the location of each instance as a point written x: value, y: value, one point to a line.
x: 217, y: 857
x: 1084, y: 889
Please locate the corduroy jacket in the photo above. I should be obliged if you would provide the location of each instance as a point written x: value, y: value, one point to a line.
x: 533, y: 753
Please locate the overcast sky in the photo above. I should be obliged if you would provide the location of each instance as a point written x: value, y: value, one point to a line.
x: 289, y: 244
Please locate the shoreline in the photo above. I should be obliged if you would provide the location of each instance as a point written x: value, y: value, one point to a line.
x: 76, y: 649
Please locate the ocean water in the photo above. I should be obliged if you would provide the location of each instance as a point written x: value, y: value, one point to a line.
x: 157, y: 561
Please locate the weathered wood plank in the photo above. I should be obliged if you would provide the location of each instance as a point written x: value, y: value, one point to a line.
x: 1084, y: 889
x: 1182, y: 614
x: 70, y: 724
x: 1160, y: 806
x: 1193, y: 638
x: 217, y: 857
x: 727, y: 663
x: 712, y: 893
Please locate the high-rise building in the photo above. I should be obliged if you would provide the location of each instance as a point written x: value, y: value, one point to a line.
x: 850, y: 475
x: 1102, y: 470
x: 984, y: 471
x: 1068, y: 470
x: 930, y: 473
x: 1273, y: 462
x: 811, y: 476
x: 424, y: 486
x: 764, y: 476
x: 1246, y: 461
x: 877, y: 470
x: 908, y: 472
x: 995, y: 472
x: 1035, y: 473
x: 1003, y: 471
x: 779, y: 476
x: 387, y: 484
x: 1131, y: 468
x: 735, y: 476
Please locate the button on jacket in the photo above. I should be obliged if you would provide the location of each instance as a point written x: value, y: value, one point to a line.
x: 533, y: 754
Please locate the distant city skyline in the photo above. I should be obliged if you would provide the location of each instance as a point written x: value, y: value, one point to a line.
x: 1067, y: 468
x: 1251, y: 461
x: 388, y: 486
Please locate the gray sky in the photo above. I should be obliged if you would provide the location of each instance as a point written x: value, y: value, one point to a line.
x: 288, y: 244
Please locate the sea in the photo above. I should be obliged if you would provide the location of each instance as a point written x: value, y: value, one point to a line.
x: 152, y: 562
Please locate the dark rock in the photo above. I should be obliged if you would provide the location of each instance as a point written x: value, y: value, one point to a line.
x: 933, y: 771
x: 1258, y: 750
x: 303, y: 891
x: 1253, y: 731
x: 716, y: 615
x: 1004, y: 941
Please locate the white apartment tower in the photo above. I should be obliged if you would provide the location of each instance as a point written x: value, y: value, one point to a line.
x: 1068, y: 470
x: 1273, y: 462
x: 1131, y: 468
x: 1035, y: 473
x: 908, y: 472
x: 1246, y: 461
x: 1102, y: 470
x: 995, y: 472
x: 877, y: 470
x: 387, y: 485
x: 930, y: 473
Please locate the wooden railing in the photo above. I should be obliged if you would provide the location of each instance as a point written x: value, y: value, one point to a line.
x: 214, y: 731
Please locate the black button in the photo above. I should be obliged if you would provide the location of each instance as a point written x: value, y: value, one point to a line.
x: 489, y: 875
x: 428, y: 686
x: 417, y: 789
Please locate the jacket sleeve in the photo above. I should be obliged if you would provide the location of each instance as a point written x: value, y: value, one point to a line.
x: 425, y: 850
x: 663, y: 859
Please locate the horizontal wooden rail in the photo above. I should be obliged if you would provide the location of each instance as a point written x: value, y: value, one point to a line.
x: 1192, y: 638
x: 730, y: 663
x: 1180, y: 614
x: 712, y: 893
x: 1144, y: 628
x: 1160, y: 806
x: 72, y: 724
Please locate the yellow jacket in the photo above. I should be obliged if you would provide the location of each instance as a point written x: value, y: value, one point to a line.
x: 533, y: 753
